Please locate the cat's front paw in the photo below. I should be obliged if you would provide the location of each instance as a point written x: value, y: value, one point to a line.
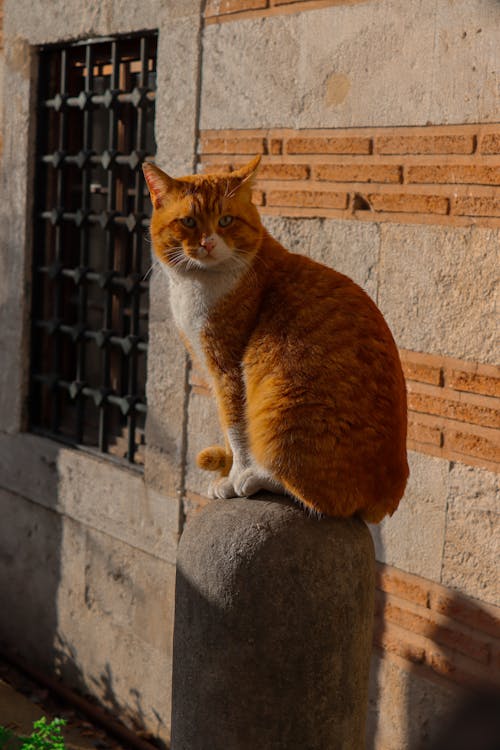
x: 244, y: 484
x: 254, y: 480
x: 221, y: 489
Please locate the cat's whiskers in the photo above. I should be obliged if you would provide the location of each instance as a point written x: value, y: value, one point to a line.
x: 175, y: 256
x: 153, y: 268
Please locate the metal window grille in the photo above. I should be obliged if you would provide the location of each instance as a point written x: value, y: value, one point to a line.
x: 90, y: 294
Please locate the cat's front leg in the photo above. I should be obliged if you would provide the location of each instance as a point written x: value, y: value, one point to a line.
x: 246, y: 477
x: 226, y: 487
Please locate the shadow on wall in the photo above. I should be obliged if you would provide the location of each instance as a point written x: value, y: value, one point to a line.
x: 432, y: 681
x: 132, y: 715
x: 39, y: 589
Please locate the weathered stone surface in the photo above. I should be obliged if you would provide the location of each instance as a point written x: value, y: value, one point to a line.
x: 58, y: 480
x: 179, y: 58
x: 472, y: 551
x: 437, y: 288
x: 273, y: 629
x: 49, y: 22
x: 412, y: 539
x: 30, y: 538
x: 336, y: 67
x: 405, y: 709
x: 19, y: 451
x: 14, y: 207
x: 166, y: 394
x: 132, y: 512
x: 115, y: 590
x: 204, y: 431
x: 349, y: 247
x: 474, y: 489
x: 64, y: 580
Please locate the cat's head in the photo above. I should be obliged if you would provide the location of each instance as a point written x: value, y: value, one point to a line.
x: 204, y: 222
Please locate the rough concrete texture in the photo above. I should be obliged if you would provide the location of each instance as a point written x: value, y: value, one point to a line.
x: 406, y: 709
x: 438, y: 289
x: 349, y: 247
x: 272, y: 629
x: 412, y: 539
x: 381, y: 63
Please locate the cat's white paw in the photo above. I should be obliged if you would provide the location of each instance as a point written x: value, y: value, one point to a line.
x: 244, y: 484
x: 221, y: 489
x: 253, y: 480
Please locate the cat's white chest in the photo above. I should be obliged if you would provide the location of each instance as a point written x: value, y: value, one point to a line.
x: 192, y: 300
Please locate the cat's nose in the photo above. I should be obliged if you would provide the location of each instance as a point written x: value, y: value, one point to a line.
x: 208, y: 243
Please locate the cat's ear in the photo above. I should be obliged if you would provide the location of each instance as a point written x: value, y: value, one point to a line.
x: 158, y: 182
x: 246, y: 174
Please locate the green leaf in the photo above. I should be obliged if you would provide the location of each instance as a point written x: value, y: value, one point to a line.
x: 45, y: 736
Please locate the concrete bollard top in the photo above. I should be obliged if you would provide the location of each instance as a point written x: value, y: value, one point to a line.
x: 273, y: 629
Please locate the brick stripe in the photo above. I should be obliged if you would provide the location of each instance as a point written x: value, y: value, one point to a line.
x: 432, y: 174
x: 454, y: 408
x: 433, y: 627
x: 218, y: 11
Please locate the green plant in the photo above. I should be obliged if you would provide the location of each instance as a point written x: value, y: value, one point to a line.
x: 45, y: 736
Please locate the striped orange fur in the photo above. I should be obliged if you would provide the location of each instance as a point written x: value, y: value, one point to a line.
x: 306, y: 374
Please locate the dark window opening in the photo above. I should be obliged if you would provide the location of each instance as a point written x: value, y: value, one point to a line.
x: 91, y: 254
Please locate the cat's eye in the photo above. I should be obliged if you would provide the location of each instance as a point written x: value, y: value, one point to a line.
x: 188, y: 222
x: 225, y: 221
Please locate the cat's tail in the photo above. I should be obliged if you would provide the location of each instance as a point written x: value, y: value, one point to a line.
x: 375, y: 513
x: 215, y: 458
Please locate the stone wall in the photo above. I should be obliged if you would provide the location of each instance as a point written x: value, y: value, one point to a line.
x: 379, y: 126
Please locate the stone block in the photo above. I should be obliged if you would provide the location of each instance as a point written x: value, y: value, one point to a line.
x: 471, y: 552
x: 132, y: 513
x: 48, y: 23
x: 30, y: 539
x: 166, y: 391
x: 412, y: 539
x: 113, y: 589
x: 427, y: 275
x: 347, y: 72
x: 474, y: 489
x: 203, y: 431
x: 179, y: 58
x: 20, y: 451
x: 349, y: 247
x: 15, y: 206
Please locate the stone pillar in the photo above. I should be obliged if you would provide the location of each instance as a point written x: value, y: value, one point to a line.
x: 273, y: 629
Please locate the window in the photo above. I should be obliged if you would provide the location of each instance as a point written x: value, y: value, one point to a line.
x: 91, y: 256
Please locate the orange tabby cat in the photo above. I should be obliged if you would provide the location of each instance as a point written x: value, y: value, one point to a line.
x: 306, y: 374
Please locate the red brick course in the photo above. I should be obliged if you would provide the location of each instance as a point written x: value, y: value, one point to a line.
x: 430, y: 174
x: 217, y: 11
x: 424, y: 144
x: 454, y: 408
x: 429, y: 625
